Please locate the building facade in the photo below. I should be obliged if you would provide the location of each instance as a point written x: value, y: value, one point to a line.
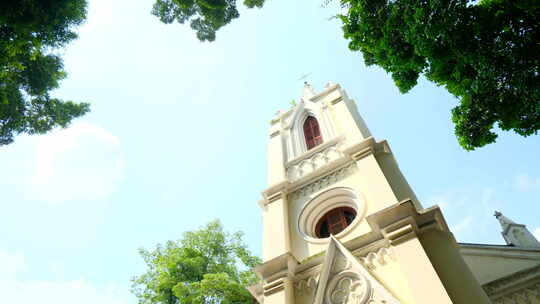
x: 342, y: 225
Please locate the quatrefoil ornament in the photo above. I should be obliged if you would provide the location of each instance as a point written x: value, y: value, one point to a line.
x: 348, y: 288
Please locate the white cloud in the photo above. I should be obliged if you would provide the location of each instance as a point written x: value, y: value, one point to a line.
x: 440, y: 200
x: 536, y: 233
x: 100, y: 13
x: 524, y: 182
x: 448, y: 202
x: 18, y: 291
x: 83, y: 161
x: 469, y: 213
x: 10, y: 265
x: 462, y: 225
x: 489, y: 204
x: 487, y: 198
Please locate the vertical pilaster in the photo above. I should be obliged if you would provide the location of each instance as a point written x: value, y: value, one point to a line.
x: 425, y: 285
x: 344, y: 110
x: 276, y: 228
x: 276, y: 155
x: 458, y: 279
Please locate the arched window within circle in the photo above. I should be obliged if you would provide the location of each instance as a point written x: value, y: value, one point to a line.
x: 334, y: 221
x: 312, y: 132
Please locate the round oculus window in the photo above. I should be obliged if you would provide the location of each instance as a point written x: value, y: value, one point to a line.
x: 334, y: 221
x: 332, y: 212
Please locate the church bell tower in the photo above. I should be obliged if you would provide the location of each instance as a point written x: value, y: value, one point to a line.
x: 341, y: 223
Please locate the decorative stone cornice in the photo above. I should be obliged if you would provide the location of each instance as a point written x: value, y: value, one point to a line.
x: 274, y: 286
x: 274, y: 193
x: 366, y: 148
x: 377, y: 258
x: 520, y: 287
x: 276, y: 268
x: 524, y: 295
x: 325, y: 181
x: 317, y: 150
x: 333, y: 102
x: 404, y: 221
x: 321, y: 156
x: 286, y: 266
x: 256, y: 291
x: 518, y: 277
x: 325, y: 168
x: 389, y: 227
x: 528, y: 253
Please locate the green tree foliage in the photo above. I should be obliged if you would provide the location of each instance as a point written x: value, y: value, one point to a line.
x: 30, y: 30
x: 207, y: 266
x: 486, y: 52
x: 205, y: 16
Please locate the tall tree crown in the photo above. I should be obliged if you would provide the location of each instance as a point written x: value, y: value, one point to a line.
x: 208, y: 265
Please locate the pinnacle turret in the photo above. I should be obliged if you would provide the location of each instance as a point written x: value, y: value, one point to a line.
x: 308, y: 91
x: 516, y: 234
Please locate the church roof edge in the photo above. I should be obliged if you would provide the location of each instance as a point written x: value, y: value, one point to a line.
x: 329, y: 88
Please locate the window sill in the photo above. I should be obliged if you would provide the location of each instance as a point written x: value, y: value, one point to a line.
x: 313, y: 151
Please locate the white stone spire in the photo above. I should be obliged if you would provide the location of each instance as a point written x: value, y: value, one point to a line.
x: 503, y: 220
x: 516, y: 234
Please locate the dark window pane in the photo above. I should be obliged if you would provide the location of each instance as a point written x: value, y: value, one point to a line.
x: 312, y: 133
x: 323, y: 230
x: 335, y: 221
x: 349, y: 216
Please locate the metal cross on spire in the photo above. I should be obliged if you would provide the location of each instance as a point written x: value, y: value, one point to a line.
x: 304, y: 77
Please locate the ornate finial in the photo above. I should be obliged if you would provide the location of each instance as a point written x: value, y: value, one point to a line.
x: 308, y: 91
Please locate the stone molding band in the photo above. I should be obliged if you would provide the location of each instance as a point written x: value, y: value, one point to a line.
x: 389, y: 227
x: 347, y: 158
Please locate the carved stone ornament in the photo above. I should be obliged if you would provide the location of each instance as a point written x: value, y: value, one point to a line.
x: 325, y: 181
x: 306, y: 286
x: 314, y: 162
x: 348, y: 287
x: 344, y: 280
x: 377, y: 258
x: 529, y: 295
x: 520, y: 287
x: 340, y: 264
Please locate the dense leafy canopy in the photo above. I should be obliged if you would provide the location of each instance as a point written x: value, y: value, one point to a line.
x: 485, y: 53
x: 205, y: 16
x: 207, y: 266
x: 30, y: 30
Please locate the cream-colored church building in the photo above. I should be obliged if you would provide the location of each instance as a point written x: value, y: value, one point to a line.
x: 343, y: 226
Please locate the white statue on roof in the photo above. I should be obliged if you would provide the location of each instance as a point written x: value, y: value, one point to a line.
x: 516, y: 234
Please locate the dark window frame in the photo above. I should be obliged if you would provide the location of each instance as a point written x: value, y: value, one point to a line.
x: 312, y: 132
x: 334, y: 221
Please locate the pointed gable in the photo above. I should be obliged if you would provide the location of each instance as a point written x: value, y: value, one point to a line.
x: 344, y: 280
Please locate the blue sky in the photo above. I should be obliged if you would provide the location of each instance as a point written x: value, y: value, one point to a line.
x: 177, y: 137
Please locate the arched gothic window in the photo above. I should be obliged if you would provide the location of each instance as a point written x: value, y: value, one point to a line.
x: 312, y: 132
